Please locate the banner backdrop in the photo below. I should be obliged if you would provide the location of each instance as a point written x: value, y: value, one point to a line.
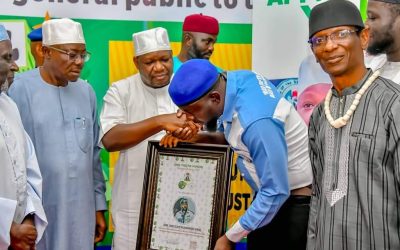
x: 227, y: 11
x: 275, y: 45
x: 280, y: 47
x: 110, y: 42
x: 280, y: 34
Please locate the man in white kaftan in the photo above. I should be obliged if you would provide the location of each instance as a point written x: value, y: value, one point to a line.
x: 22, y: 220
x: 135, y: 110
x: 20, y: 179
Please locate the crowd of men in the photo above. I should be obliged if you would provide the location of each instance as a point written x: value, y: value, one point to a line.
x: 332, y: 185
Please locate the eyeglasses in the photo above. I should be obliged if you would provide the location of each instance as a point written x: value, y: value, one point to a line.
x: 72, y: 56
x: 337, y: 37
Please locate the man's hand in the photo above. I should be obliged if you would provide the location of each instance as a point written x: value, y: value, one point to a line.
x: 191, y: 127
x: 100, y: 227
x: 179, y: 125
x: 23, y: 236
x: 169, y: 141
x: 223, y: 243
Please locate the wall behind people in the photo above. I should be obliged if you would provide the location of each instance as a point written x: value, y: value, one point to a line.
x: 280, y: 31
x: 110, y: 42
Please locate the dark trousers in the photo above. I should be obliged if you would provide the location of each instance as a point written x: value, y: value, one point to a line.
x: 287, y: 230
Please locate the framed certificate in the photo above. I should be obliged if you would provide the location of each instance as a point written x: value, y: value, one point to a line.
x: 184, y: 201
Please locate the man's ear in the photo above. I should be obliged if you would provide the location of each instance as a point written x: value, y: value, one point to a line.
x: 215, y: 96
x: 46, y: 52
x: 364, y: 37
x: 39, y: 49
x: 187, y: 39
x: 135, y: 61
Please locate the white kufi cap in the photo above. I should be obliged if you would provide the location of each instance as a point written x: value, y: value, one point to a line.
x: 150, y: 41
x: 62, y: 31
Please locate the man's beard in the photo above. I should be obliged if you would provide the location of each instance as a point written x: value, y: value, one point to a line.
x: 381, y: 46
x: 4, y: 86
x: 195, y: 53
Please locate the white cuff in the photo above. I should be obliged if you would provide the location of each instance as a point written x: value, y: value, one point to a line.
x: 7, y: 208
x: 236, y: 233
x: 35, y: 207
x: 30, y: 208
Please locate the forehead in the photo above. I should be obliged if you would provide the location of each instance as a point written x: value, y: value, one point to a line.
x: 156, y: 55
x: 315, y: 90
x: 71, y: 46
x: 331, y: 30
x: 204, y: 36
x: 194, y: 107
x: 378, y: 7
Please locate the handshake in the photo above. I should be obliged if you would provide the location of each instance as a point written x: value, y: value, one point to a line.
x: 180, y: 126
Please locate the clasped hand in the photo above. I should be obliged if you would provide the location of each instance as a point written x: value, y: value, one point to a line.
x: 186, y: 130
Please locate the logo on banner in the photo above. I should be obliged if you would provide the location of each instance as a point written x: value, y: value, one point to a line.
x: 304, y: 4
x: 286, y: 88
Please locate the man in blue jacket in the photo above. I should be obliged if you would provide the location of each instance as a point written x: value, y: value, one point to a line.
x: 271, y: 140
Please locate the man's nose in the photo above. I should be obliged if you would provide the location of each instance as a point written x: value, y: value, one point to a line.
x: 14, y: 67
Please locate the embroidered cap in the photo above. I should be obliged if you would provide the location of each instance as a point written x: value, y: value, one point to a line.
x: 62, y: 31
x: 150, y: 41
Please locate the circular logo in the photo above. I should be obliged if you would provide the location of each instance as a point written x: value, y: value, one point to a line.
x: 182, y: 184
x: 285, y: 87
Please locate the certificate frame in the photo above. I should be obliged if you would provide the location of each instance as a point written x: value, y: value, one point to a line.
x: 222, y: 154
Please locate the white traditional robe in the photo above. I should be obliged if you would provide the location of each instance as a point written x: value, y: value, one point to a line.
x: 20, y: 178
x: 62, y: 122
x: 389, y: 70
x: 129, y: 101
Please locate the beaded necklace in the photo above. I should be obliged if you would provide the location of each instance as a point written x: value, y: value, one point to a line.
x: 341, y: 121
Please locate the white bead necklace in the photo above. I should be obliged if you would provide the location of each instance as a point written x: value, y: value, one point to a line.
x: 341, y: 121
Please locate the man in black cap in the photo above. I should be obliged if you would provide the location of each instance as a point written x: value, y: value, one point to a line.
x: 384, y: 42
x: 353, y: 140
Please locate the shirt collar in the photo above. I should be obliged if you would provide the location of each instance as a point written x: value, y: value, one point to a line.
x: 230, y: 94
x: 353, y: 89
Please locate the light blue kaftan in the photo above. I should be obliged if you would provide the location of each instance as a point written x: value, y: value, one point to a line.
x: 62, y: 123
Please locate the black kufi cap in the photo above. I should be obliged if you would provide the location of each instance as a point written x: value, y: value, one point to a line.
x: 333, y: 13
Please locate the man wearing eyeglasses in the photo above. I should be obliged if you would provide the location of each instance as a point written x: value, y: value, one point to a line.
x: 58, y: 110
x: 353, y: 140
